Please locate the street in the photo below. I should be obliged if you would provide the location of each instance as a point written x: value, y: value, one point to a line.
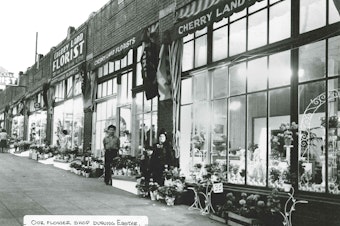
x: 28, y: 187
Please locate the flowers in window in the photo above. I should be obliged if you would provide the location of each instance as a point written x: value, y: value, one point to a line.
x: 287, y: 132
x: 333, y: 121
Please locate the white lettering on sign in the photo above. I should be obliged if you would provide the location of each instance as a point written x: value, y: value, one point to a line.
x: 7, y: 78
x: 69, y: 52
x: 203, y: 20
x: 116, y: 50
x: 230, y: 7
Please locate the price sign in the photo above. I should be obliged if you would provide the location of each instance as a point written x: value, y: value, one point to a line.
x: 218, y: 188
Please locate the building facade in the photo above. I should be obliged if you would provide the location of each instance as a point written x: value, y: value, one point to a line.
x: 250, y: 86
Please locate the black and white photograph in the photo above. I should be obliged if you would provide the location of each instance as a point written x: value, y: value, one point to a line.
x: 170, y: 112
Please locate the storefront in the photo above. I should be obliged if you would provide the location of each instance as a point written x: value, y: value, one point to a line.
x: 37, y: 119
x: 120, y: 98
x: 67, y: 69
x: 278, y: 66
x: 17, y: 122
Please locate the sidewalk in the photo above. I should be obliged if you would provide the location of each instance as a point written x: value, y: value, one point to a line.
x: 28, y: 187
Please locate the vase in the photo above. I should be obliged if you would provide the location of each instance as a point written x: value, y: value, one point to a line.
x: 170, y: 201
x: 287, y: 187
x: 87, y: 175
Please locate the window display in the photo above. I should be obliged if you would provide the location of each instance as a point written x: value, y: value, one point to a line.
x: 69, y: 117
x: 37, y: 127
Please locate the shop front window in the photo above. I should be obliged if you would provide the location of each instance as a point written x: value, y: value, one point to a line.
x: 203, y: 119
x: 37, y: 127
x: 145, y: 124
x: 312, y: 14
x: 237, y: 140
x: 69, y: 117
x: 257, y: 139
x: 279, y: 155
x: 106, y: 115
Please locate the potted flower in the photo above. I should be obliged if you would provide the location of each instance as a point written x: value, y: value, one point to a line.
x: 142, y: 187
x: 169, y: 193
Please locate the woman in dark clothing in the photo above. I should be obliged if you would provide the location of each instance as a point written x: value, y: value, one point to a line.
x: 161, y: 157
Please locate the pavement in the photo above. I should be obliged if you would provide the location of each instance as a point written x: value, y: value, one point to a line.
x: 28, y: 187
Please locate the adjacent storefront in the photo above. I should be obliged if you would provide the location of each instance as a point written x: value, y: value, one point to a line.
x: 37, y: 119
x: 67, y: 70
x: 120, y: 99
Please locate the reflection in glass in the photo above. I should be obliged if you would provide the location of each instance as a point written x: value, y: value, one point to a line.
x: 237, y: 37
x: 312, y: 14
x: 333, y: 137
x: 312, y: 61
x: 201, y: 51
x: 257, y: 139
x: 236, y: 140
x: 279, y: 21
x: 334, y: 56
x: 220, y: 82
x: 257, y: 74
x: 334, y: 15
x: 311, y: 134
x: 220, y: 43
x: 219, y: 132
x: 279, y: 159
x: 188, y: 56
x: 201, y: 88
x: 279, y: 69
x: 186, y: 91
x: 237, y: 79
x: 257, y: 29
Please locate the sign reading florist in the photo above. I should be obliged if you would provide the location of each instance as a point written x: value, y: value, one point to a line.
x: 69, y: 54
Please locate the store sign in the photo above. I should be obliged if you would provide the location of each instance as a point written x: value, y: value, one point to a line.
x: 69, y: 54
x: 209, y: 16
x: 8, y: 78
x: 119, y: 51
x: 218, y: 188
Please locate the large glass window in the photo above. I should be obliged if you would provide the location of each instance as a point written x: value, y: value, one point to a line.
x: 319, y: 122
x: 106, y: 115
x: 279, y: 21
x: 145, y: 129
x: 257, y: 29
x: 70, y: 117
x: 195, y: 50
x: 203, y: 112
x: 312, y: 61
x: 312, y: 14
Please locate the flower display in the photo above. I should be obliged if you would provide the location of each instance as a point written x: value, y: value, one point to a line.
x: 333, y: 121
x: 287, y: 132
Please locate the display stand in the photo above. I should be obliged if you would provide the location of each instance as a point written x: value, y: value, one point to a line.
x: 208, y: 205
x: 197, y: 203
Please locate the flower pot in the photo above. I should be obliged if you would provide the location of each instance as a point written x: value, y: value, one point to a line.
x: 87, y: 175
x: 170, y: 201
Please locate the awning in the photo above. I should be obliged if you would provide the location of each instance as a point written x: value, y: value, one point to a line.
x: 201, y: 13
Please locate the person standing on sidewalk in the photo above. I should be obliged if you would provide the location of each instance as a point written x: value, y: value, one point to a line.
x: 3, y: 140
x: 111, y: 146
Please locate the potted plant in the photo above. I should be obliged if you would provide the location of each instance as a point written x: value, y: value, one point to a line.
x: 223, y: 210
x: 142, y: 187
x: 169, y: 193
